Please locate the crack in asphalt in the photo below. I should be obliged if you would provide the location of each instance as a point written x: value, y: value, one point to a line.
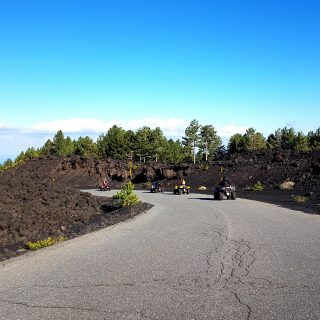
x: 234, y: 268
x: 34, y: 306
x: 248, y: 308
x: 85, y: 286
x: 235, y: 265
x: 243, y: 259
x: 141, y: 312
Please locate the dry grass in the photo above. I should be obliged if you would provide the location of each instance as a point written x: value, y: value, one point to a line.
x: 299, y: 199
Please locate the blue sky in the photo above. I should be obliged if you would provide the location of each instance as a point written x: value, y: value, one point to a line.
x: 82, y: 66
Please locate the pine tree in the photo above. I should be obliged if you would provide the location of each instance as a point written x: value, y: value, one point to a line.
x: 210, y: 142
x: 192, y: 139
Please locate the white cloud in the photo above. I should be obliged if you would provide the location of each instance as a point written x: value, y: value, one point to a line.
x: 230, y: 129
x: 170, y: 127
x: 72, y: 125
x: 13, y: 139
x: 291, y: 124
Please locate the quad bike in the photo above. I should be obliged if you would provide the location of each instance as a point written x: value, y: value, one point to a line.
x: 156, y: 188
x: 228, y: 192
x: 104, y: 187
x: 178, y: 189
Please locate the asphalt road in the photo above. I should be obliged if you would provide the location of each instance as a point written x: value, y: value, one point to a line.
x: 189, y: 257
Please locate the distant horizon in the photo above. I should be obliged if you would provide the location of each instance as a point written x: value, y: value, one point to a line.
x: 73, y: 136
x: 94, y: 137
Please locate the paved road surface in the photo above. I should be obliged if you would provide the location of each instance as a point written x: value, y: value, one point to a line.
x: 188, y: 258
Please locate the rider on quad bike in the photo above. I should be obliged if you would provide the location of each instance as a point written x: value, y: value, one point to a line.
x: 181, y: 187
x: 225, y: 182
x: 104, y: 186
x: 225, y: 189
x: 156, y: 187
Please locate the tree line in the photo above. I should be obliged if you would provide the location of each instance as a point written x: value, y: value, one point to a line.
x: 284, y: 139
x: 200, y: 143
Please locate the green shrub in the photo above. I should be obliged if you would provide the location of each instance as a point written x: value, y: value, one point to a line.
x: 259, y: 186
x: 44, y: 243
x: 126, y: 196
x: 299, y: 199
x: 204, y: 167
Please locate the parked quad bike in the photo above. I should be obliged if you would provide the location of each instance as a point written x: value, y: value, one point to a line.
x: 104, y: 188
x: 156, y: 188
x: 178, y: 189
x: 228, y: 192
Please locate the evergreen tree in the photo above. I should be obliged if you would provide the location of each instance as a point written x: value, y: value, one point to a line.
x: 62, y: 146
x: 209, y: 143
x: 20, y: 158
x: 143, y: 147
x: 174, y: 151
x: 30, y: 153
x: 221, y: 152
x: 287, y: 138
x: 192, y: 139
x: 158, y: 143
x: 274, y: 140
x: 254, y: 140
x: 236, y: 143
x: 314, y: 139
x: 130, y: 142
x: 47, y: 148
x: 101, y: 146
x: 301, y: 143
x: 115, y: 143
x: 85, y: 147
x: 69, y: 147
x: 8, y: 164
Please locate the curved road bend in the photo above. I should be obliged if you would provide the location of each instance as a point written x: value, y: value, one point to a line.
x: 188, y: 258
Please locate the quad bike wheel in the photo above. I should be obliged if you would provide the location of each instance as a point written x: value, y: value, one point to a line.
x: 218, y: 195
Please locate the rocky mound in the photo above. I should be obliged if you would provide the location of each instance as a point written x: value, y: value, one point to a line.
x: 289, y: 180
x: 35, y: 205
x: 41, y: 198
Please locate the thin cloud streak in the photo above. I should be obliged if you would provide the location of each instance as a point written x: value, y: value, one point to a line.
x: 230, y: 129
x: 171, y: 127
x: 13, y: 139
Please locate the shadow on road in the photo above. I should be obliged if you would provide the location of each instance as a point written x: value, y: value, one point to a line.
x: 207, y: 199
